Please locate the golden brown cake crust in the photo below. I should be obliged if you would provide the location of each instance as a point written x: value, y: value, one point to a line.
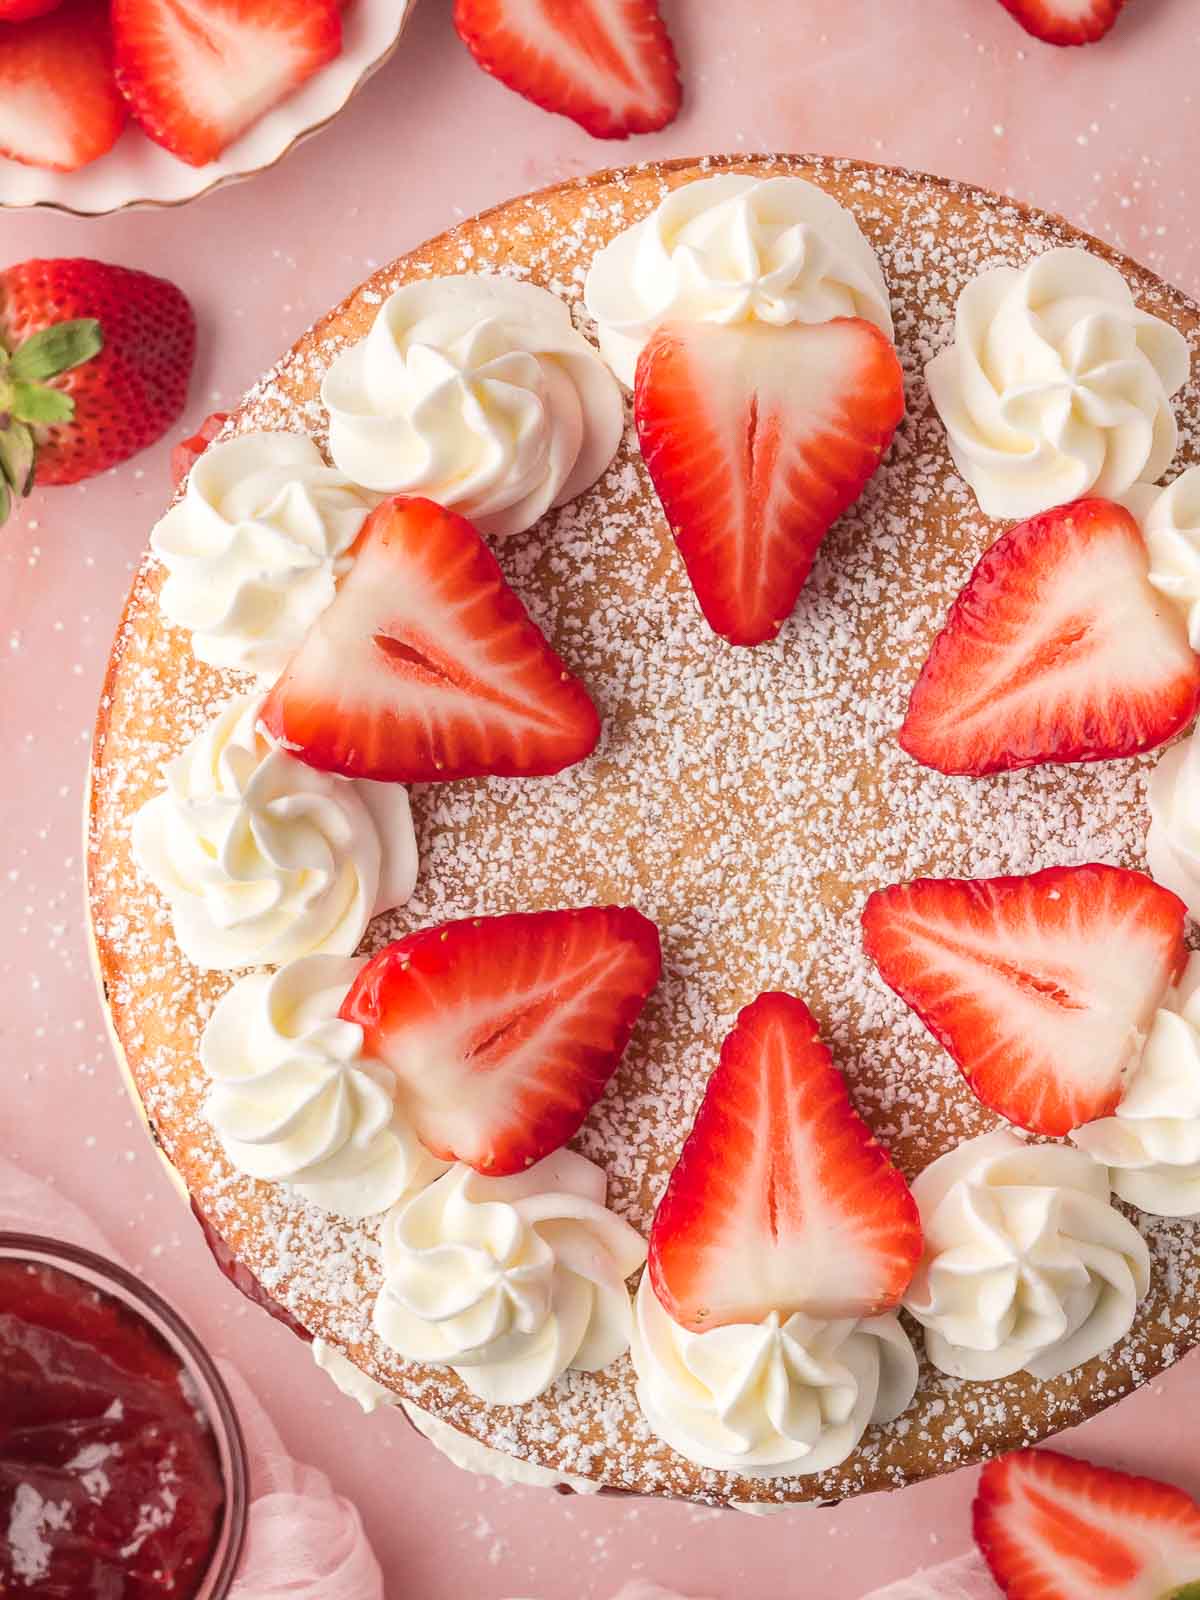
x: 748, y: 801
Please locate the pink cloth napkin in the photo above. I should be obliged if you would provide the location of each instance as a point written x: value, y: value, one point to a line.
x: 303, y: 1541
x: 966, y: 1578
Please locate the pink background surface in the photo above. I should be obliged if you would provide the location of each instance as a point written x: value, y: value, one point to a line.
x: 1109, y: 136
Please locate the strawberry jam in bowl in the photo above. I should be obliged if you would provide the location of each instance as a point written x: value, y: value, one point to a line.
x: 122, y: 1466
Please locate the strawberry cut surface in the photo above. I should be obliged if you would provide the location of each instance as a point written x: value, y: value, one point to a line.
x: 59, y: 105
x: 1054, y: 1528
x: 607, y: 64
x: 1065, y: 22
x: 198, y: 73
x: 757, y: 439
x: 504, y: 1031
x: 427, y: 667
x: 781, y: 1199
x: 1042, y: 988
x: 1057, y: 649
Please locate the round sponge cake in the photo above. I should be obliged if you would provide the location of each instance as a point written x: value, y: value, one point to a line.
x: 746, y: 800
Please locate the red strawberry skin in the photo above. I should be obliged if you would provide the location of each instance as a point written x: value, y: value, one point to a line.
x: 1065, y: 22
x: 188, y: 451
x: 59, y: 106
x: 1042, y: 988
x: 426, y: 666
x: 128, y: 395
x: 196, y: 77
x: 1051, y: 1527
x: 609, y: 65
x: 504, y: 1031
x: 781, y: 1199
x: 23, y: 10
x: 757, y: 439
x: 1057, y: 649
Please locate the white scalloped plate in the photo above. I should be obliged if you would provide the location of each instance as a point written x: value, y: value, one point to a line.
x: 137, y: 172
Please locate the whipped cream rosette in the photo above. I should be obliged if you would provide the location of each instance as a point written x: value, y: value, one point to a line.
x: 510, y: 1281
x: 1170, y: 521
x: 785, y: 1395
x: 765, y: 1340
x: 478, y: 393
x: 1173, y: 838
x: 294, y: 1100
x: 254, y: 548
x: 733, y: 249
x: 261, y: 858
x: 1027, y: 1263
x: 1056, y: 385
x: 1151, y: 1146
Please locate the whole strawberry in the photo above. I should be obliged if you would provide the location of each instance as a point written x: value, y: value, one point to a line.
x: 94, y: 367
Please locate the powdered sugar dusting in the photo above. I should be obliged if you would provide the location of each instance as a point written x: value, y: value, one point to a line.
x: 748, y: 801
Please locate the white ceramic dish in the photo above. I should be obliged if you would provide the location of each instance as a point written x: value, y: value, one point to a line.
x: 137, y: 172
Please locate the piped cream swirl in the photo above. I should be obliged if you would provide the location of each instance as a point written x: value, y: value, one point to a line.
x: 770, y: 1399
x: 1173, y: 838
x: 263, y: 859
x: 293, y: 1100
x: 478, y: 392
x: 1056, y: 385
x: 733, y: 248
x: 1151, y: 1145
x: 1027, y: 1263
x: 254, y: 548
x: 1170, y: 521
x: 509, y: 1281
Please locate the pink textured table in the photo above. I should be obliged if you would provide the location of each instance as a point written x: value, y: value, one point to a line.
x: 1107, y: 136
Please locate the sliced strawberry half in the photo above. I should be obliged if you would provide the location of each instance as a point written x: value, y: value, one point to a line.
x: 188, y: 451
x: 426, y: 666
x: 1054, y: 1528
x: 1057, y: 649
x: 757, y: 439
x: 781, y: 1199
x: 607, y: 64
x: 503, y: 1031
x: 198, y: 73
x: 1065, y: 22
x: 59, y: 106
x: 1042, y: 988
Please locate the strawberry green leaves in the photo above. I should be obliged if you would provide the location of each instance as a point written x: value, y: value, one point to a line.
x: 27, y: 400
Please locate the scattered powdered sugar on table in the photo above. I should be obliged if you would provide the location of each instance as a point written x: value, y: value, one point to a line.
x: 748, y: 801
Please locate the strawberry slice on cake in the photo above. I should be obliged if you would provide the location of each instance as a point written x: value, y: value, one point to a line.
x: 1042, y: 988
x: 426, y: 666
x: 503, y: 1032
x: 1051, y: 1527
x: 1057, y: 649
x: 757, y: 438
x: 781, y: 1200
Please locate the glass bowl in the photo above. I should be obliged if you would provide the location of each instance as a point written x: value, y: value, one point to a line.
x: 211, y: 1395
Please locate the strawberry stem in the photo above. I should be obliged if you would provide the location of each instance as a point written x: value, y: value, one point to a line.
x: 17, y: 451
x: 1189, y: 1591
x: 27, y: 401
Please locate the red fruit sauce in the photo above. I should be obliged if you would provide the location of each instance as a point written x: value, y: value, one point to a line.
x: 111, y: 1486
